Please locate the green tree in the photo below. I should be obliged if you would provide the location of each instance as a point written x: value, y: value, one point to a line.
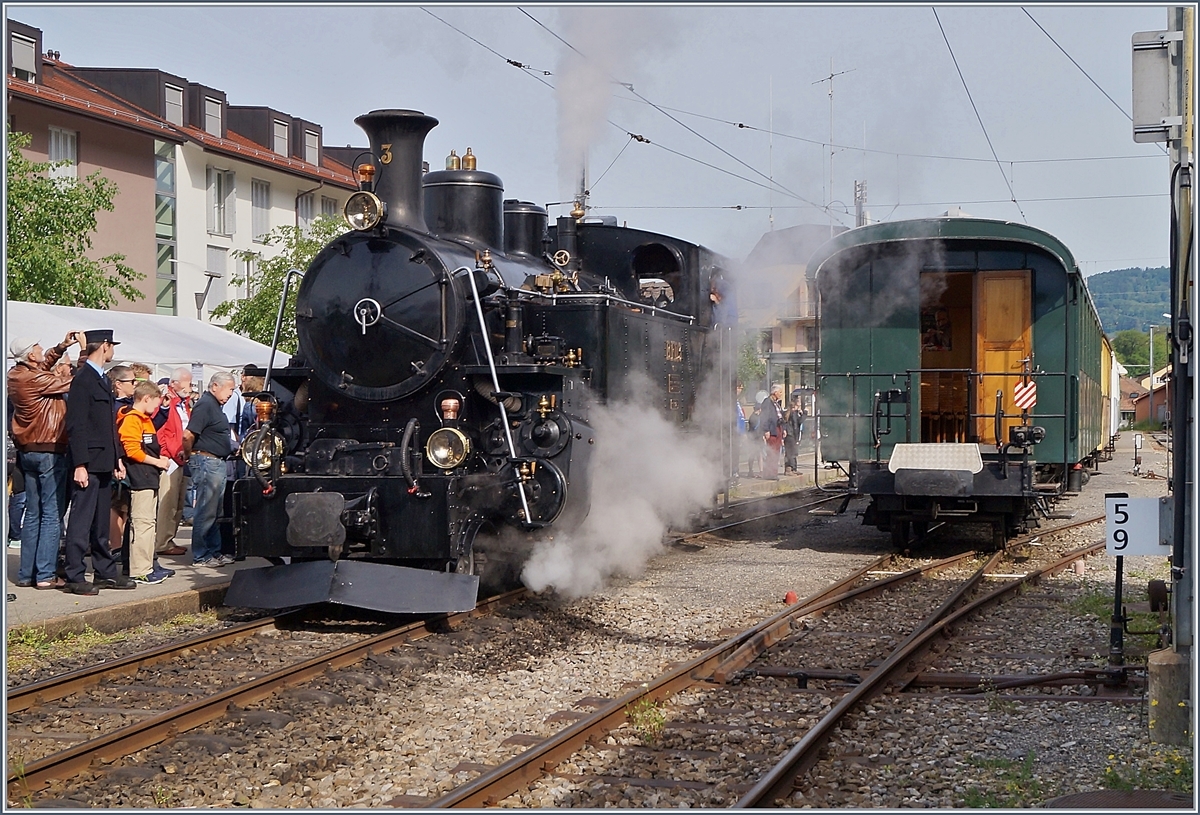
x: 50, y: 226
x: 752, y: 366
x: 254, y: 316
x: 1133, y: 351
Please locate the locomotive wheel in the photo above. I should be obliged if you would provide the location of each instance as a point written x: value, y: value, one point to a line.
x: 466, y: 565
x: 899, y: 530
x: 999, y: 534
x: 920, y: 530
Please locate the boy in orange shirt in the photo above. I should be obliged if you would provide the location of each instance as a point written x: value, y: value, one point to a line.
x: 143, y: 463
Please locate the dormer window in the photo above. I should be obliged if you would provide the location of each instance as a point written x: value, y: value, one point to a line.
x: 24, y: 58
x: 280, y: 143
x: 212, y: 116
x: 174, y: 105
x: 312, y: 147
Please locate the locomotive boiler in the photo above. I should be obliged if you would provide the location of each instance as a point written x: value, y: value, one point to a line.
x: 435, y: 416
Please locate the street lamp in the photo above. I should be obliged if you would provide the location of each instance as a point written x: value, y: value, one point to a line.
x: 200, y: 296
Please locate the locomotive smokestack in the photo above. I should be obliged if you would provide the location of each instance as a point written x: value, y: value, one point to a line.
x: 398, y: 139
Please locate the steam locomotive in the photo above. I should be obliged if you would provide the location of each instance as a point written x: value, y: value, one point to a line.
x: 451, y: 345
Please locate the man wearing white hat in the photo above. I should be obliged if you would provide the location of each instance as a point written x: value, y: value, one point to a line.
x: 38, y: 394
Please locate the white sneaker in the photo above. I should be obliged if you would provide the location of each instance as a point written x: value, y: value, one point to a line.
x: 225, y: 560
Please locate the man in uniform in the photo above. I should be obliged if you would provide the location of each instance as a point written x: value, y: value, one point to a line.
x: 92, y: 441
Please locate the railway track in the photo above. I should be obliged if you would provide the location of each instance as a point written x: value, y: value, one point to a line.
x: 608, y: 737
x: 123, y: 686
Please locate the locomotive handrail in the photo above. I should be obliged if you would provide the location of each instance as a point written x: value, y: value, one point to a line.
x: 487, y: 347
x: 287, y: 283
x: 612, y: 299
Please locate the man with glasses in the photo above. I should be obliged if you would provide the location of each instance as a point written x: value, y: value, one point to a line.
x: 92, y: 440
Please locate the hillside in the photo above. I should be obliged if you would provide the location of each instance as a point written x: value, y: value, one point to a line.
x: 1131, y: 298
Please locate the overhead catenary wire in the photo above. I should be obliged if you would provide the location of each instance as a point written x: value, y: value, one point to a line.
x: 664, y: 112
x: 977, y: 116
x: 1082, y: 71
x: 634, y: 136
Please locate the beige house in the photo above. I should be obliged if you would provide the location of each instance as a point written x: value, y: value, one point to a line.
x: 200, y: 180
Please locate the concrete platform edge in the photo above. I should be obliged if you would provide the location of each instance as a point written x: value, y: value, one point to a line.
x: 111, y: 619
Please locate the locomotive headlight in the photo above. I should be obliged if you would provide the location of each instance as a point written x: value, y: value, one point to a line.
x: 261, y: 448
x: 363, y: 210
x: 447, y: 448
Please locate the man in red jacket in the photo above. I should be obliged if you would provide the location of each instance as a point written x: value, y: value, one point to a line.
x: 170, y: 421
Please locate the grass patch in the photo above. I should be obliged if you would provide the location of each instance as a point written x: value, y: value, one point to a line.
x: 647, y: 719
x: 1156, y: 767
x: 30, y: 646
x: 1015, y: 785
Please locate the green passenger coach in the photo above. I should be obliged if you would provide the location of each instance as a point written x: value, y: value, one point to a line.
x: 959, y: 373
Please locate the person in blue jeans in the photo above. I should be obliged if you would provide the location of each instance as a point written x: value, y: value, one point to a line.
x: 37, y: 387
x: 208, y: 443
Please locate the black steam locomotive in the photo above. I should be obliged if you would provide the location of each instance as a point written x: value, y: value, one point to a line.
x: 450, y: 346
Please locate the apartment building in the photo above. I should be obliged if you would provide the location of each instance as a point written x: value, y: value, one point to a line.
x: 201, y: 180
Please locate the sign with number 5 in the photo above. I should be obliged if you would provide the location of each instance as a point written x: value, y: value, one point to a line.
x: 1132, y: 527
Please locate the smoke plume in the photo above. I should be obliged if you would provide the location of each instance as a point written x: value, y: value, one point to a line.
x: 647, y: 474
x: 610, y: 43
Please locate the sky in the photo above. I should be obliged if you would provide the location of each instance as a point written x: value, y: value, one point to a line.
x: 965, y: 106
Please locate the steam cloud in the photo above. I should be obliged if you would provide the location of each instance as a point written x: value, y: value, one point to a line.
x: 647, y: 475
x: 610, y: 41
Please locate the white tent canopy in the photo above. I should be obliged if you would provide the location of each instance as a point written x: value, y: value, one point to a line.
x: 160, y: 341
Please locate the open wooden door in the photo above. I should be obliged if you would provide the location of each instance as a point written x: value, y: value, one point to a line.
x: 1004, y: 341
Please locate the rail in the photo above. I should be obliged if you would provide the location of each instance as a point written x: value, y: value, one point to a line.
x: 137, y: 736
x: 780, y: 780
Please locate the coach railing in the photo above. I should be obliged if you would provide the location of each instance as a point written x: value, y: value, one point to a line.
x: 883, y: 392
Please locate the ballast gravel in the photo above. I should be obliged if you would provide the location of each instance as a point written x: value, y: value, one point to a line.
x: 409, y: 725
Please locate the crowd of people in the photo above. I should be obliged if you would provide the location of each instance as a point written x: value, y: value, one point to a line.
x: 771, y: 428
x: 114, y: 453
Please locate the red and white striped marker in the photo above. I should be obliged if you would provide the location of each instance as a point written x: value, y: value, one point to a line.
x: 1025, y: 394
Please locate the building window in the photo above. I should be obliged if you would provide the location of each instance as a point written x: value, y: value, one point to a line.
x: 164, y: 167
x: 174, y: 106
x: 249, y: 266
x: 24, y: 58
x: 63, y: 148
x: 304, y: 209
x: 312, y: 147
x: 260, y: 209
x: 281, y: 138
x: 212, y: 116
x: 220, y: 201
x: 329, y: 206
x: 165, y: 284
